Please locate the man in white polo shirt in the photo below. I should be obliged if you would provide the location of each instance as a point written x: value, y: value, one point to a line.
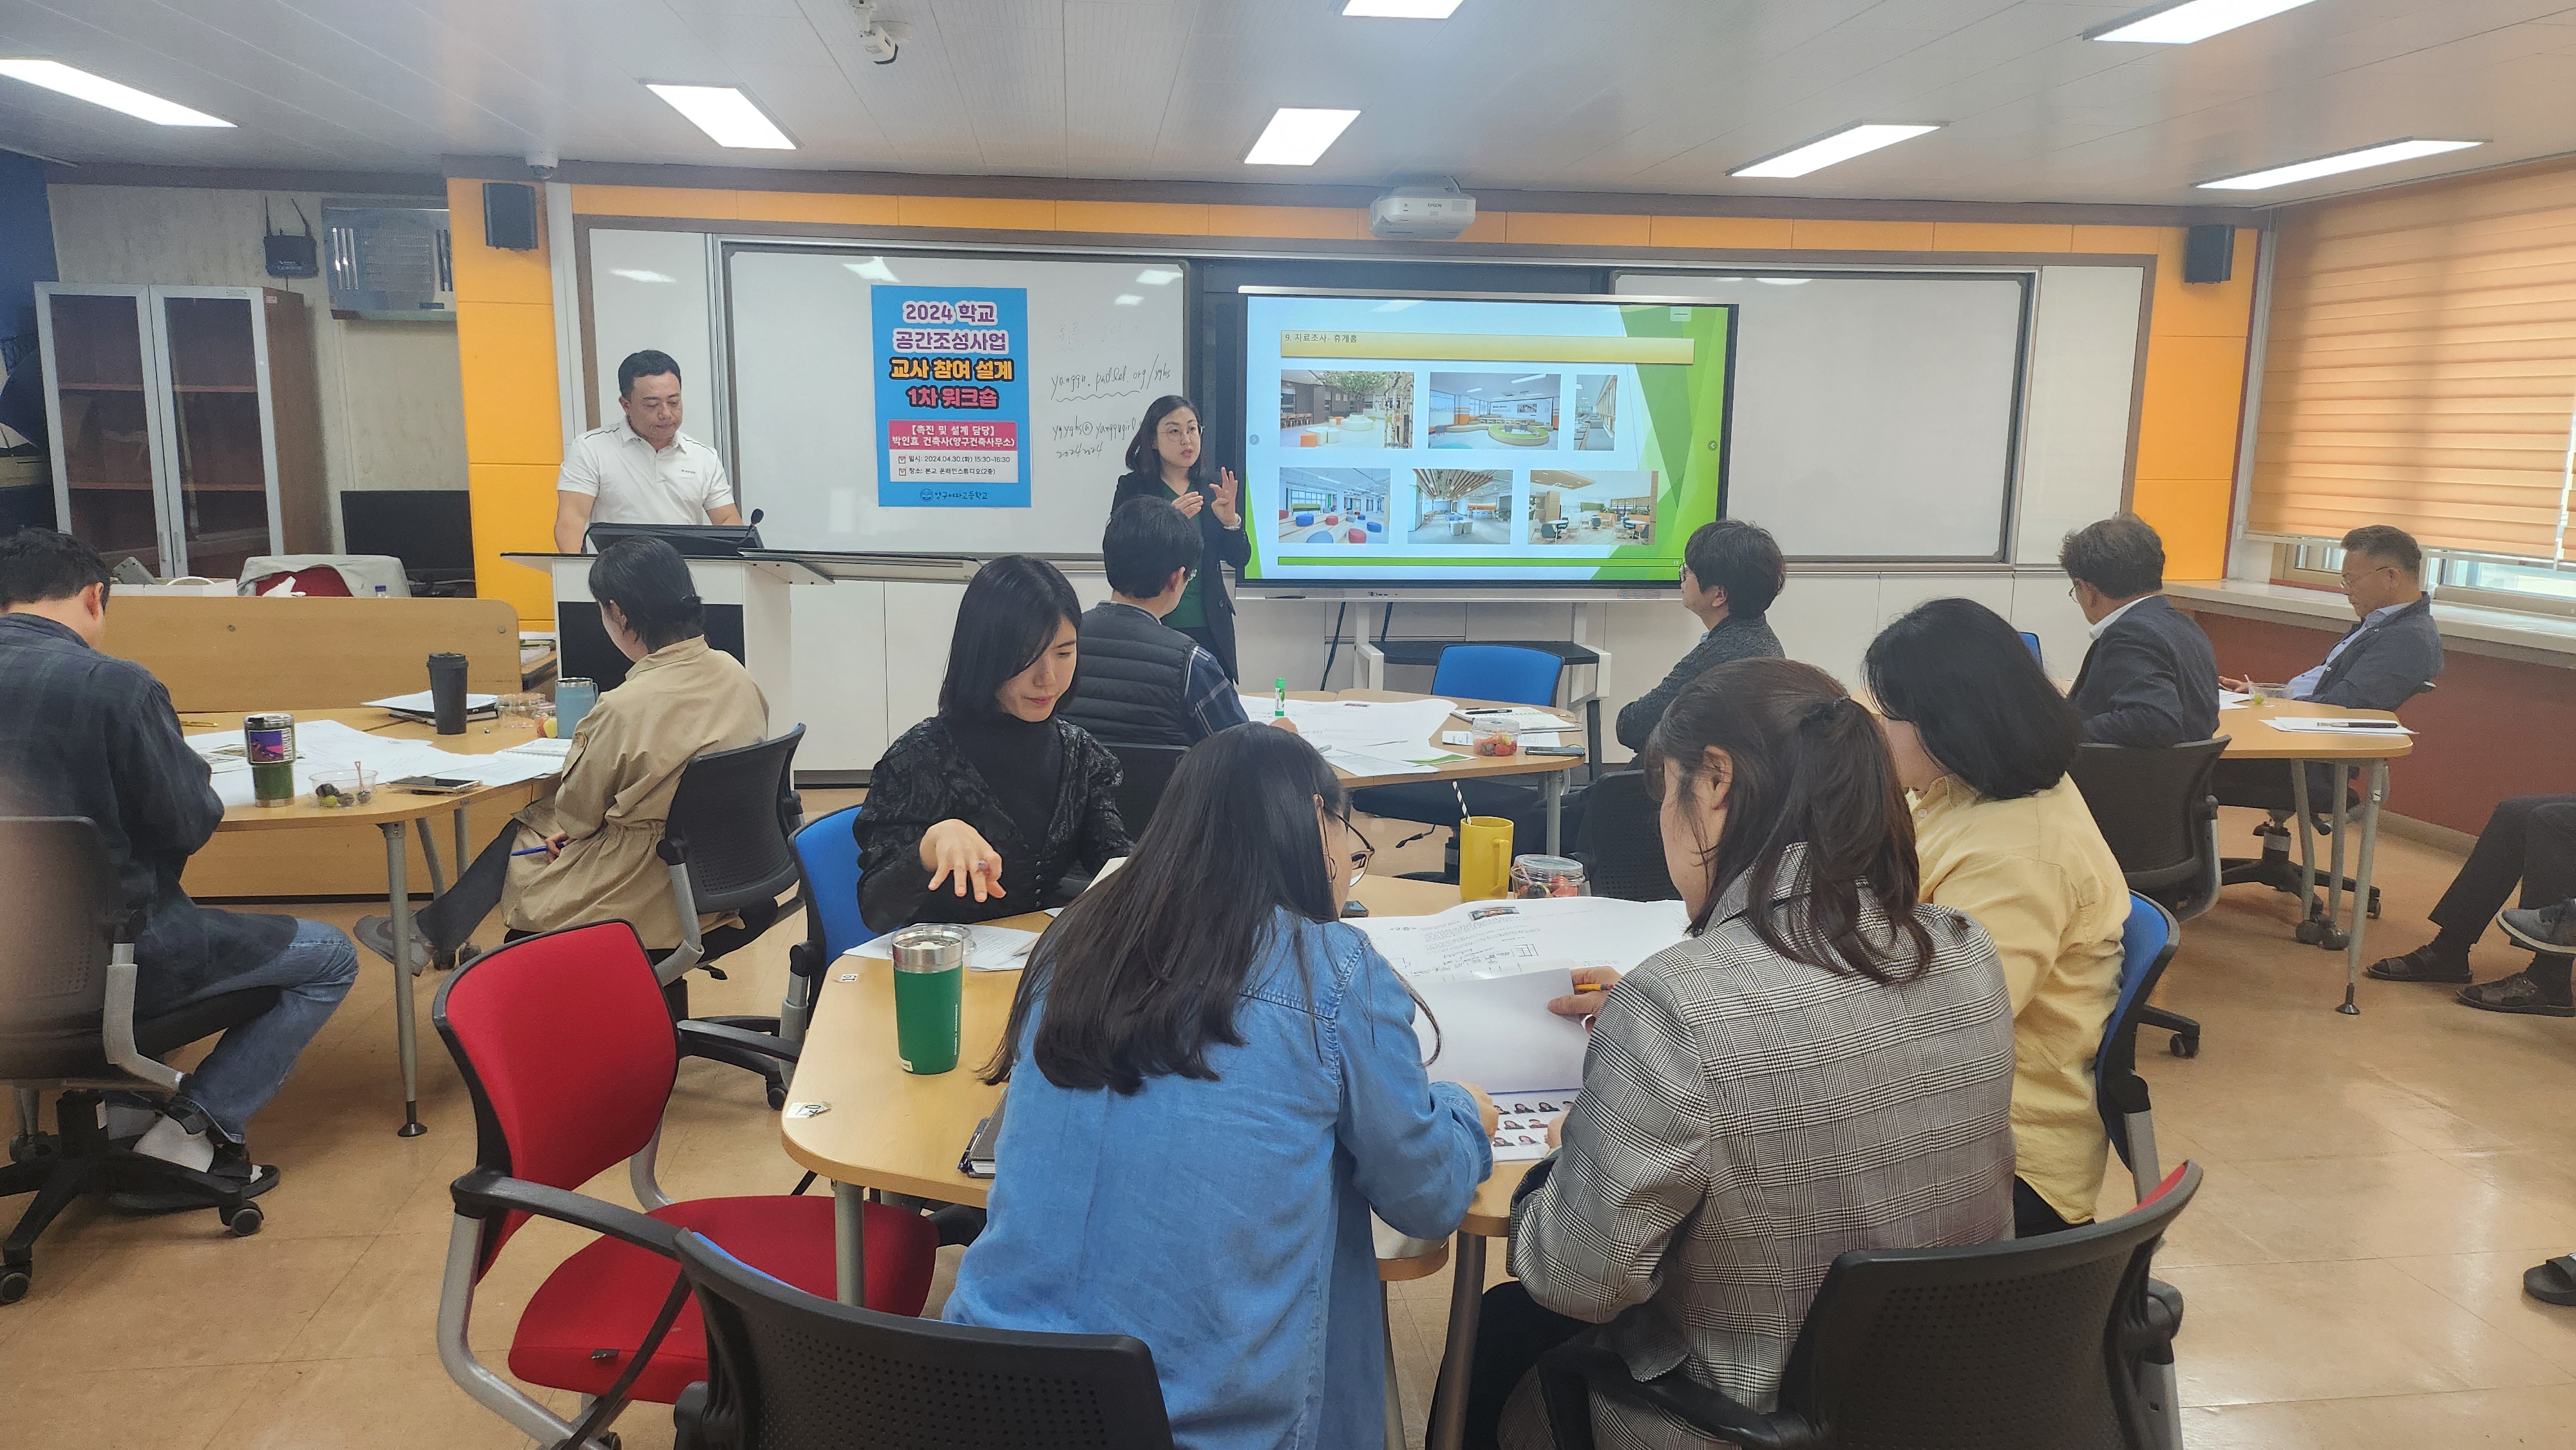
x: 642, y: 470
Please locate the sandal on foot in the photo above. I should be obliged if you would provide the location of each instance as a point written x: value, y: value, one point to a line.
x: 2518, y: 994
x: 2421, y: 965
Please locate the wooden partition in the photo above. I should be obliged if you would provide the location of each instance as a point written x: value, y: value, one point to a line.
x: 234, y: 655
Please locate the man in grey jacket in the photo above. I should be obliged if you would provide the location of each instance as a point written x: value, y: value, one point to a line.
x: 1731, y: 571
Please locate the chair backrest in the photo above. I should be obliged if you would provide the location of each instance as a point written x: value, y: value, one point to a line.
x: 1504, y: 672
x: 789, y: 1371
x: 829, y: 849
x: 729, y: 820
x: 2002, y: 1345
x: 2032, y: 640
x: 1144, y: 773
x: 2156, y: 811
x: 2147, y: 943
x: 1623, y: 841
x: 62, y: 908
x: 567, y: 1048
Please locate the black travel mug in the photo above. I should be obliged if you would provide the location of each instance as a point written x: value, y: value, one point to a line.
x: 447, y: 692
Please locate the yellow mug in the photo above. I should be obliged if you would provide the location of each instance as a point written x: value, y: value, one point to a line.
x: 1484, y: 858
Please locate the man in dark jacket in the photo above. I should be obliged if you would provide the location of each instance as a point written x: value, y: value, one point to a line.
x: 1731, y: 571
x: 2149, y: 679
x: 86, y: 734
x: 1143, y: 682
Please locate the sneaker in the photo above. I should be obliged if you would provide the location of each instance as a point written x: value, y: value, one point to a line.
x: 376, y: 934
x: 2548, y: 930
x: 2423, y: 964
x: 2517, y: 993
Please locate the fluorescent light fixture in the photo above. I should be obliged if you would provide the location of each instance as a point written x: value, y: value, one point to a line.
x: 874, y: 269
x: 2190, y: 20
x: 1534, y: 377
x: 2383, y: 154
x: 1842, y: 145
x: 1401, y: 9
x: 1297, y: 136
x: 1159, y: 276
x: 638, y: 274
x: 1129, y: 299
x: 726, y: 115
x: 80, y: 85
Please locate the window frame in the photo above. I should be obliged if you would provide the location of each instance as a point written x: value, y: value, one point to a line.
x: 2318, y: 564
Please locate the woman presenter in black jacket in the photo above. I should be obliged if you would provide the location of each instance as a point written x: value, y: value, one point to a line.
x: 1167, y: 461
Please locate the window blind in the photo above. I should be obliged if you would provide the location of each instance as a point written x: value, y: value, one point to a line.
x: 2421, y: 367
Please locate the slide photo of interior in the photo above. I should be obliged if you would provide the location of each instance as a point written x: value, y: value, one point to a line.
x: 1591, y: 508
x: 1494, y: 410
x: 1461, y: 507
x: 1596, y: 412
x: 1345, y: 507
x: 1345, y: 410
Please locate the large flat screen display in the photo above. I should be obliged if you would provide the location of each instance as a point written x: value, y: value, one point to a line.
x: 1481, y: 441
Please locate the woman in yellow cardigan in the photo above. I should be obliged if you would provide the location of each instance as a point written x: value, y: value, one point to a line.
x: 1983, y: 742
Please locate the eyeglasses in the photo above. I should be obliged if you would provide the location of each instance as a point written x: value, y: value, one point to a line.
x: 1360, y: 858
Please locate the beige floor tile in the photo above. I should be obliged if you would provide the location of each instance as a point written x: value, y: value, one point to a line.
x: 2490, y: 1286
x: 2527, y: 1417
x: 124, y: 1409
x: 234, y: 1302
x: 2263, y: 1332
x: 363, y: 1404
x: 2403, y: 1203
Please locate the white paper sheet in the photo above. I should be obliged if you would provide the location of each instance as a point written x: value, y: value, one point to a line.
x: 1504, y: 938
x: 328, y: 745
x: 2335, y: 725
x: 421, y: 703
x: 1519, y: 717
x: 989, y: 948
x: 1497, y: 1033
x: 1384, y: 729
x: 2234, y: 699
x: 1520, y: 1135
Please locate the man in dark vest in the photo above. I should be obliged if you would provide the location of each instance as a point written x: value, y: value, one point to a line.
x: 1143, y: 683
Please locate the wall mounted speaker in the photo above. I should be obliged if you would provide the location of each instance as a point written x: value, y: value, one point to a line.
x: 2209, y: 253
x: 510, y: 216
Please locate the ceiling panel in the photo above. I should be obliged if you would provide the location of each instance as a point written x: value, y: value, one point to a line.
x: 1606, y: 94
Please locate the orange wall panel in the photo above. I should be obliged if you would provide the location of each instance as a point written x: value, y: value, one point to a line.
x: 514, y: 513
x: 1145, y: 218
x: 1331, y: 222
x: 2190, y: 514
x: 1862, y: 236
x: 490, y: 274
x: 506, y: 354
x: 978, y: 212
x: 2143, y: 241
x: 829, y: 209
x: 2204, y: 309
x: 1752, y: 233
x: 2188, y: 427
x: 670, y: 201
x: 1561, y: 229
x: 2000, y: 237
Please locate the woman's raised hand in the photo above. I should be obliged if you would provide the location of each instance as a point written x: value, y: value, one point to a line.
x: 1227, y: 491
x: 954, y: 852
x: 1190, y: 503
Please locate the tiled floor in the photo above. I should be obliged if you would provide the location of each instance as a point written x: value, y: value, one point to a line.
x: 2376, y: 1186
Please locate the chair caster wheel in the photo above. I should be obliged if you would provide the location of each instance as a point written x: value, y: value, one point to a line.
x: 2333, y: 940
x: 777, y: 1098
x: 13, y: 1286
x: 243, y: 1221
x: 2309, y: 933
x: 2181, y: 1046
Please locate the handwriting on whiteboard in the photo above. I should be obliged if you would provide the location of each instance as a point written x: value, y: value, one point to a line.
x: 1108, y: 400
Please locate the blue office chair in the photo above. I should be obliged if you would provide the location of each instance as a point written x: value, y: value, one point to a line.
x: 1497, y: 672
x: 828, y: 849
x: 2147, y: 944
x: 2032, y: 640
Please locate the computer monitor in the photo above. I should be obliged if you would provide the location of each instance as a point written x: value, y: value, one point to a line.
x: 694, y: 541
x: 429, y: 529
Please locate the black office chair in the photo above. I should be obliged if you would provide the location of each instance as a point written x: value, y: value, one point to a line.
x: 789, y: 1371
x: 67, y: 981
x: 729, y: 844
x: 2161, y: 821
x: 1622, y: 849
x: 1144, y: 773
x: 2001, y: 1346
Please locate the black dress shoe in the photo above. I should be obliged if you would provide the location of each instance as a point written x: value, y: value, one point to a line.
x: 2422, y: 965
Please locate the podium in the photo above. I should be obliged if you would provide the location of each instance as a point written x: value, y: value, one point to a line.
x: 747, y: 609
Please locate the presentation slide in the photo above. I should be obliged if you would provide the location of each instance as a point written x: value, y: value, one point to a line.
x: 1448, y: 441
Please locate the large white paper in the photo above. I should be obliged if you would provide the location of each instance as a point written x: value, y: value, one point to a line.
x: 1497, y: 1033
x: 2335, y: 725
x: 1506, y: 938
x: 2234, y: 699
x: 327, y: 745
x: 1387, y: 729
x: 989, y: 948
x: 1519, y: 717
x: 422, y: 703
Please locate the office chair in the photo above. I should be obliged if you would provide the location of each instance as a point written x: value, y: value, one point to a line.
x: 2032, y: 640
x: 827, y: 854
x: 2147, y: 944
x: 791, y: 1370
x: 726, y: 845
x: 1507, y: 673
x: 67, y: 1023
x: 2022, y: 1343
x: 1622, y: 849
x: 1144, y: 773
x: 569, y: 1055
x: 2160, y: 820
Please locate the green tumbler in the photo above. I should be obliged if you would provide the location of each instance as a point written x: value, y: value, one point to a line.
x: 929, y: 996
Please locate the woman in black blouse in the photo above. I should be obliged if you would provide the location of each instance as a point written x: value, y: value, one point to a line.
x: 1167, y: 461
x: 978, y: 811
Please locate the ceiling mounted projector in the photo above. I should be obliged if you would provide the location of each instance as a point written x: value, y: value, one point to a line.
x: 1422, y: 213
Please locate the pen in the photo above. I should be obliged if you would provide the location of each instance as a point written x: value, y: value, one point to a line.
x: 1587, y: 987
x: 531, y: 851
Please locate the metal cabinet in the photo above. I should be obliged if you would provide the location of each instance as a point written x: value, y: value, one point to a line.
x: 186, y: 423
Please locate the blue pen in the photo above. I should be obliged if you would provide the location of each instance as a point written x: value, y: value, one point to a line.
x: 531, y: 851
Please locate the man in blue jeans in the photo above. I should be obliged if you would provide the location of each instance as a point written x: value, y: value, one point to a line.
x: 86, y: 734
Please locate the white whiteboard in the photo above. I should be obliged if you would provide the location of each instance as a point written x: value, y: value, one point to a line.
x: 1105, y: 338
x: 1876, y: 418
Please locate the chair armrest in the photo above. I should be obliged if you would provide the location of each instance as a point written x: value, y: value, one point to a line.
x: 697, y: 1037
x: 484, y: 1191
x: 117, y: 1025
x: 1709, y: 1411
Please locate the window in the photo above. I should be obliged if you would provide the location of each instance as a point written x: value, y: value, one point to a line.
x: 2480, y: 581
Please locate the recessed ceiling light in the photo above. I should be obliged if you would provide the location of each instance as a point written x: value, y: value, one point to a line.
x: 1401, y: 9
x: 53, y: 75
x: 1534, y: 377
x: 638, y: 274
x: 2189, y: 20
x: 2382, y: 154
x: 1159, y: 276
x: 1842, y: 145
x: 726, y: 115
x: 1297, y: 136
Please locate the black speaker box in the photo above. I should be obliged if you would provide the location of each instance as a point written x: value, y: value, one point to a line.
x: 2209, y: 253
x: 510, y: 216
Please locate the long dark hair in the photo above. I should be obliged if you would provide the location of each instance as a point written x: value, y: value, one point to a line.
x: 1007, y: 619
x: 648, y: 581
x: 1142, y: 972
x: 1144, y: 458
x: 1967, y: 682
x: 1808, y: 766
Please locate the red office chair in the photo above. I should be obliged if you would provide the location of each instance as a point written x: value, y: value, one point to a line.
x: 570, y: 1054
